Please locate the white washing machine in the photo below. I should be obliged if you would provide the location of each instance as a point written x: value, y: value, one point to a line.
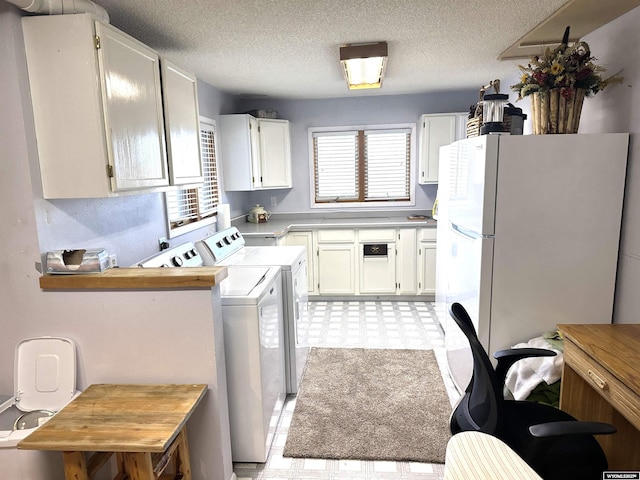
x: 227, y: 247
x: 254, y: 349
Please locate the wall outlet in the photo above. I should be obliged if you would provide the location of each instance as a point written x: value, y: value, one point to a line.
x: 274, y: 201
x: 163, y: 243
x: 113, y: 261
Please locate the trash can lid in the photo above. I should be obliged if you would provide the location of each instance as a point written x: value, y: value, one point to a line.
x: 45, y: 373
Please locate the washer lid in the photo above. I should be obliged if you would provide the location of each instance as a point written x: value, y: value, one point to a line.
x: 45, y: 373
x: 245, y: 281
x: 283, y: 256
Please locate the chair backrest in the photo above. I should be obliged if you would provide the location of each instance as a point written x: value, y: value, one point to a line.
x: 480, y: 407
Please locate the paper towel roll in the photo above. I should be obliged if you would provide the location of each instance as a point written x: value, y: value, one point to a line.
x: 224, y: 216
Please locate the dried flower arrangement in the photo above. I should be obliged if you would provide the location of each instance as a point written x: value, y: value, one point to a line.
x: 566, y: 67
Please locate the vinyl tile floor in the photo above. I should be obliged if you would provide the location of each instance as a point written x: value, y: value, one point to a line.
x: 356, y: 324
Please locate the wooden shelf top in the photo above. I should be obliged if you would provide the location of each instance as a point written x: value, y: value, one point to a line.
x: 137, y: 278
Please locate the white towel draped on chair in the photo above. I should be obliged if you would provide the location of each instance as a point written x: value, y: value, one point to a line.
x: 528, y: 373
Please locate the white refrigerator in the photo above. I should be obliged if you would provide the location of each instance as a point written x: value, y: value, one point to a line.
x: 528, y: 233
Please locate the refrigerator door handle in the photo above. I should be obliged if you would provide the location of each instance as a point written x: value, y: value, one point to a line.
x: 470, y: 234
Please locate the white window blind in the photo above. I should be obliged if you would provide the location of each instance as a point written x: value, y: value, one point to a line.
x: 387, y: 170
x: 187, y: 206
x: 336, y: 166
x: 362, y: 165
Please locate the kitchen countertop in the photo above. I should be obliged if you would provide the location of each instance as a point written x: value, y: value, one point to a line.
x: 137, y: 278
x: 278, y: 226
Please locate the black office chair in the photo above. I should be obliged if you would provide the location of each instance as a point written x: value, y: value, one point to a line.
x: 551, y: 441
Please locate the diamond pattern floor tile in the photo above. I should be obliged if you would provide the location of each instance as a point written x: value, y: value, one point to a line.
x: 361, y: 324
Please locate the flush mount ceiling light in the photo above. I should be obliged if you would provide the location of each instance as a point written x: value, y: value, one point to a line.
x: 364, y: 64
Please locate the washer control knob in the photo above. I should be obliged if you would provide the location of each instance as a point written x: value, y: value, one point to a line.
x: 177, y: 261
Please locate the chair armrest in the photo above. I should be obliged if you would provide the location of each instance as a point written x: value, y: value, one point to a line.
x: 508, y: 357
x: 555, y: 429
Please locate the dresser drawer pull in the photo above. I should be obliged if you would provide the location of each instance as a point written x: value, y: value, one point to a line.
x: 602, y: 385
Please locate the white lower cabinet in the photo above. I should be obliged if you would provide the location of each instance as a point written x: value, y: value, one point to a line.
x: 306, y: 240
x: 336, y: 269
x: 427, y: 261
x: 369, y: 261
x: 407, y: 262
x: 377, y: 261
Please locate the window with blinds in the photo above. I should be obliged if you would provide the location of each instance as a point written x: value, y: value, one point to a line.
x: 192, y: 208
x: 368, y: 165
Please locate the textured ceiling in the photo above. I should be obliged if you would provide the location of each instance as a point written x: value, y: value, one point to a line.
x: 290, y: 48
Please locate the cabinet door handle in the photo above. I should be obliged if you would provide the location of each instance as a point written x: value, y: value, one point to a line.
x: 602, y: 384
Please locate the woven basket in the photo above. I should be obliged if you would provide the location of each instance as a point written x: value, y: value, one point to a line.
x: 473, y: 125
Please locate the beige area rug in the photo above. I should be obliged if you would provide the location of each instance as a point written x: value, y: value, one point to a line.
x: 370, y: 404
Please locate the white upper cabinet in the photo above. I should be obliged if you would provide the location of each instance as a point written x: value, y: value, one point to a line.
x: 256, y: 153
x: 98, y: 111
x: 275, y: 153
x: 435, y: 131
x: 180, y: 99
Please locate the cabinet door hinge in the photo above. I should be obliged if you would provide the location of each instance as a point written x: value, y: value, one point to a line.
x: 97, y: 42
x: 110, y: 171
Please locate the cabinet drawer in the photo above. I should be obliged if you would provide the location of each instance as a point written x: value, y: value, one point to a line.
x: 378, y: 235
x: 601, y: 380
x: 336, y: 236
x: 428, y: 234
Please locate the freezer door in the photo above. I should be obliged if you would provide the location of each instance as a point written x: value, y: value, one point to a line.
x: 472, y: 183
x: 469, y: 283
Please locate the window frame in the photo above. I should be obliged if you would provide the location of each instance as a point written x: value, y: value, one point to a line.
x: 213, y: 217
x: 357, y: 204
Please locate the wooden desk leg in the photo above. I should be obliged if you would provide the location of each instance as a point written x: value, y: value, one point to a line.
x: 138, y: 466
x: 75, y: 466
x: 182, y: 457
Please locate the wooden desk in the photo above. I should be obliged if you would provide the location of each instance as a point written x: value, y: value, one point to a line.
x: 601, y: 381
x: 145, y: 425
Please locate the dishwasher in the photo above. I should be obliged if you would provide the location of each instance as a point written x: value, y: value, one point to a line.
x: 378, y: 268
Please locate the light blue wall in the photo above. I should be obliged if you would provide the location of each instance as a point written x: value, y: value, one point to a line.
x: 373, y: 110
x: 617, y: 109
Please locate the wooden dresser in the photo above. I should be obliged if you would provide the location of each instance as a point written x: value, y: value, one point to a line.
x: 601, y: 381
